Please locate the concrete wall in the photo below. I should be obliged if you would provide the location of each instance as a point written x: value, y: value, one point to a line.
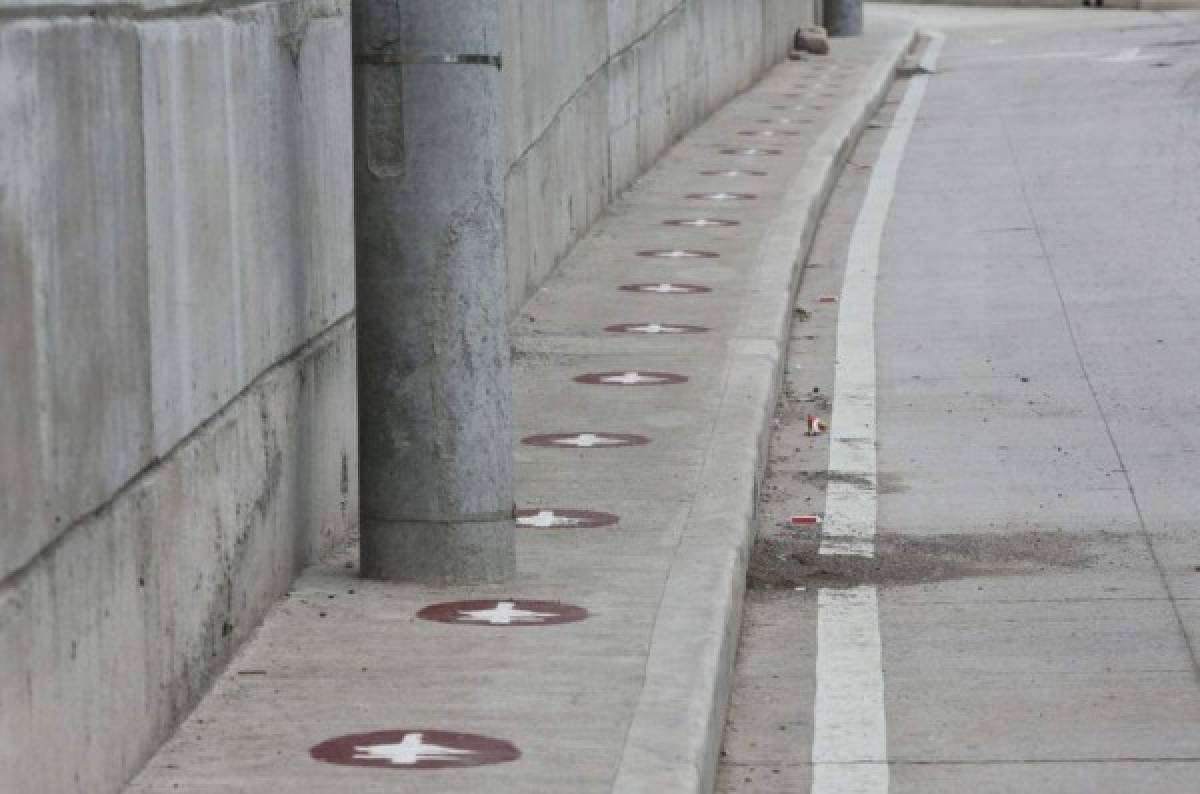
x: 177, y: 429
x: 600, y: 89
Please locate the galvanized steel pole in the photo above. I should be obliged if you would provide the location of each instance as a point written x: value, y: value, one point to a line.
x: 434, y: 378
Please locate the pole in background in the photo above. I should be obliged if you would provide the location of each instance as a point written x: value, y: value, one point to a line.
x: 434, y: 377
x: 843, y: 17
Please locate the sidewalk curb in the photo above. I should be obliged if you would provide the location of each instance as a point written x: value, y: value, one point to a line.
x: 675, y: 736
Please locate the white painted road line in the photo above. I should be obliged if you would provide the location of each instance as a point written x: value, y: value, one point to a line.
x: 849, y: 752
x: 850, y: 500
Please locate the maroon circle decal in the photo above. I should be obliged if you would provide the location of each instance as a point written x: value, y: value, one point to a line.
x: 733, y: 172
x: 722, y: 195
x: 631, y: 378
x: 679, y: 253
x: 667, y: 288
x: 701, y: 223
x: 752, y: 152
x: 654, y: 328
x: 414, y: 749
x: 503, y: 612
x: 564, y: 518
x: 586, y: 440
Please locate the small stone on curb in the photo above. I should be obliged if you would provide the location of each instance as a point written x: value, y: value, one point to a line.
x: 812, y: 40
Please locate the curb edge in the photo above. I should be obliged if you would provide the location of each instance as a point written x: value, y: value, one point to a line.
x: 675, y: 735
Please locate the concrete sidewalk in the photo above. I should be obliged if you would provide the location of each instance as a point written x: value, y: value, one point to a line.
x: 631, y: 697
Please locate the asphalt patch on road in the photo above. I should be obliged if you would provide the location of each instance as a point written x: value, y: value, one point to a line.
x: 790, y: 562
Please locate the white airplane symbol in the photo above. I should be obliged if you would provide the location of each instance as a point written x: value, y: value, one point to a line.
x: 587, y: 440
x: 505, y: 613
x: 410, y: 750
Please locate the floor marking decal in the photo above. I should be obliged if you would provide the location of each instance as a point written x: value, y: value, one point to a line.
x: 667, y: 288
x: 503, y: 612
x: 733, y: 172
x: 702, y: 223
x: 564, y: 518
x: 722, y: 196
x: 678, y: 253
x: 631, y: 378
x: 751, y: 152
x: 414, y: 749
x: 654, y: 328
x: 585, y: 440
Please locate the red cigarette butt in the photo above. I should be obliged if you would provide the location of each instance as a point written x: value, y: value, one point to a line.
x: 827, y: 299
x: 800, y: 521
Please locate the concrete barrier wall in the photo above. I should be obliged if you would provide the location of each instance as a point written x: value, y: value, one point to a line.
x: 177, y: 429
x: 600, y: 90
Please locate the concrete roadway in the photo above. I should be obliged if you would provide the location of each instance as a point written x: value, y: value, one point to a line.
x: 1038, y: 396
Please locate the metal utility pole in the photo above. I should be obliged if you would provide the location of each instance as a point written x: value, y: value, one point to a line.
x: 843, y: 17
x: 434, y: 378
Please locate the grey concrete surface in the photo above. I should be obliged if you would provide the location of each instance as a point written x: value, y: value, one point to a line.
x: 632, y: 698
x: 177, y: 355
x: 1037, y: 571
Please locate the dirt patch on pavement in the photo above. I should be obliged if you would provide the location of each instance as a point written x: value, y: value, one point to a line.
x: 888, y: 483
x: 907, y: 559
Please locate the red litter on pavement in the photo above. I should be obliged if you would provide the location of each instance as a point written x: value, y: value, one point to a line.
x: 801, y: 521
x: 815, y: 426
x: 827, y: 299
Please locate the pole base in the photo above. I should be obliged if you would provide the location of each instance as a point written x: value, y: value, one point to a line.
x: 438, y: 554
